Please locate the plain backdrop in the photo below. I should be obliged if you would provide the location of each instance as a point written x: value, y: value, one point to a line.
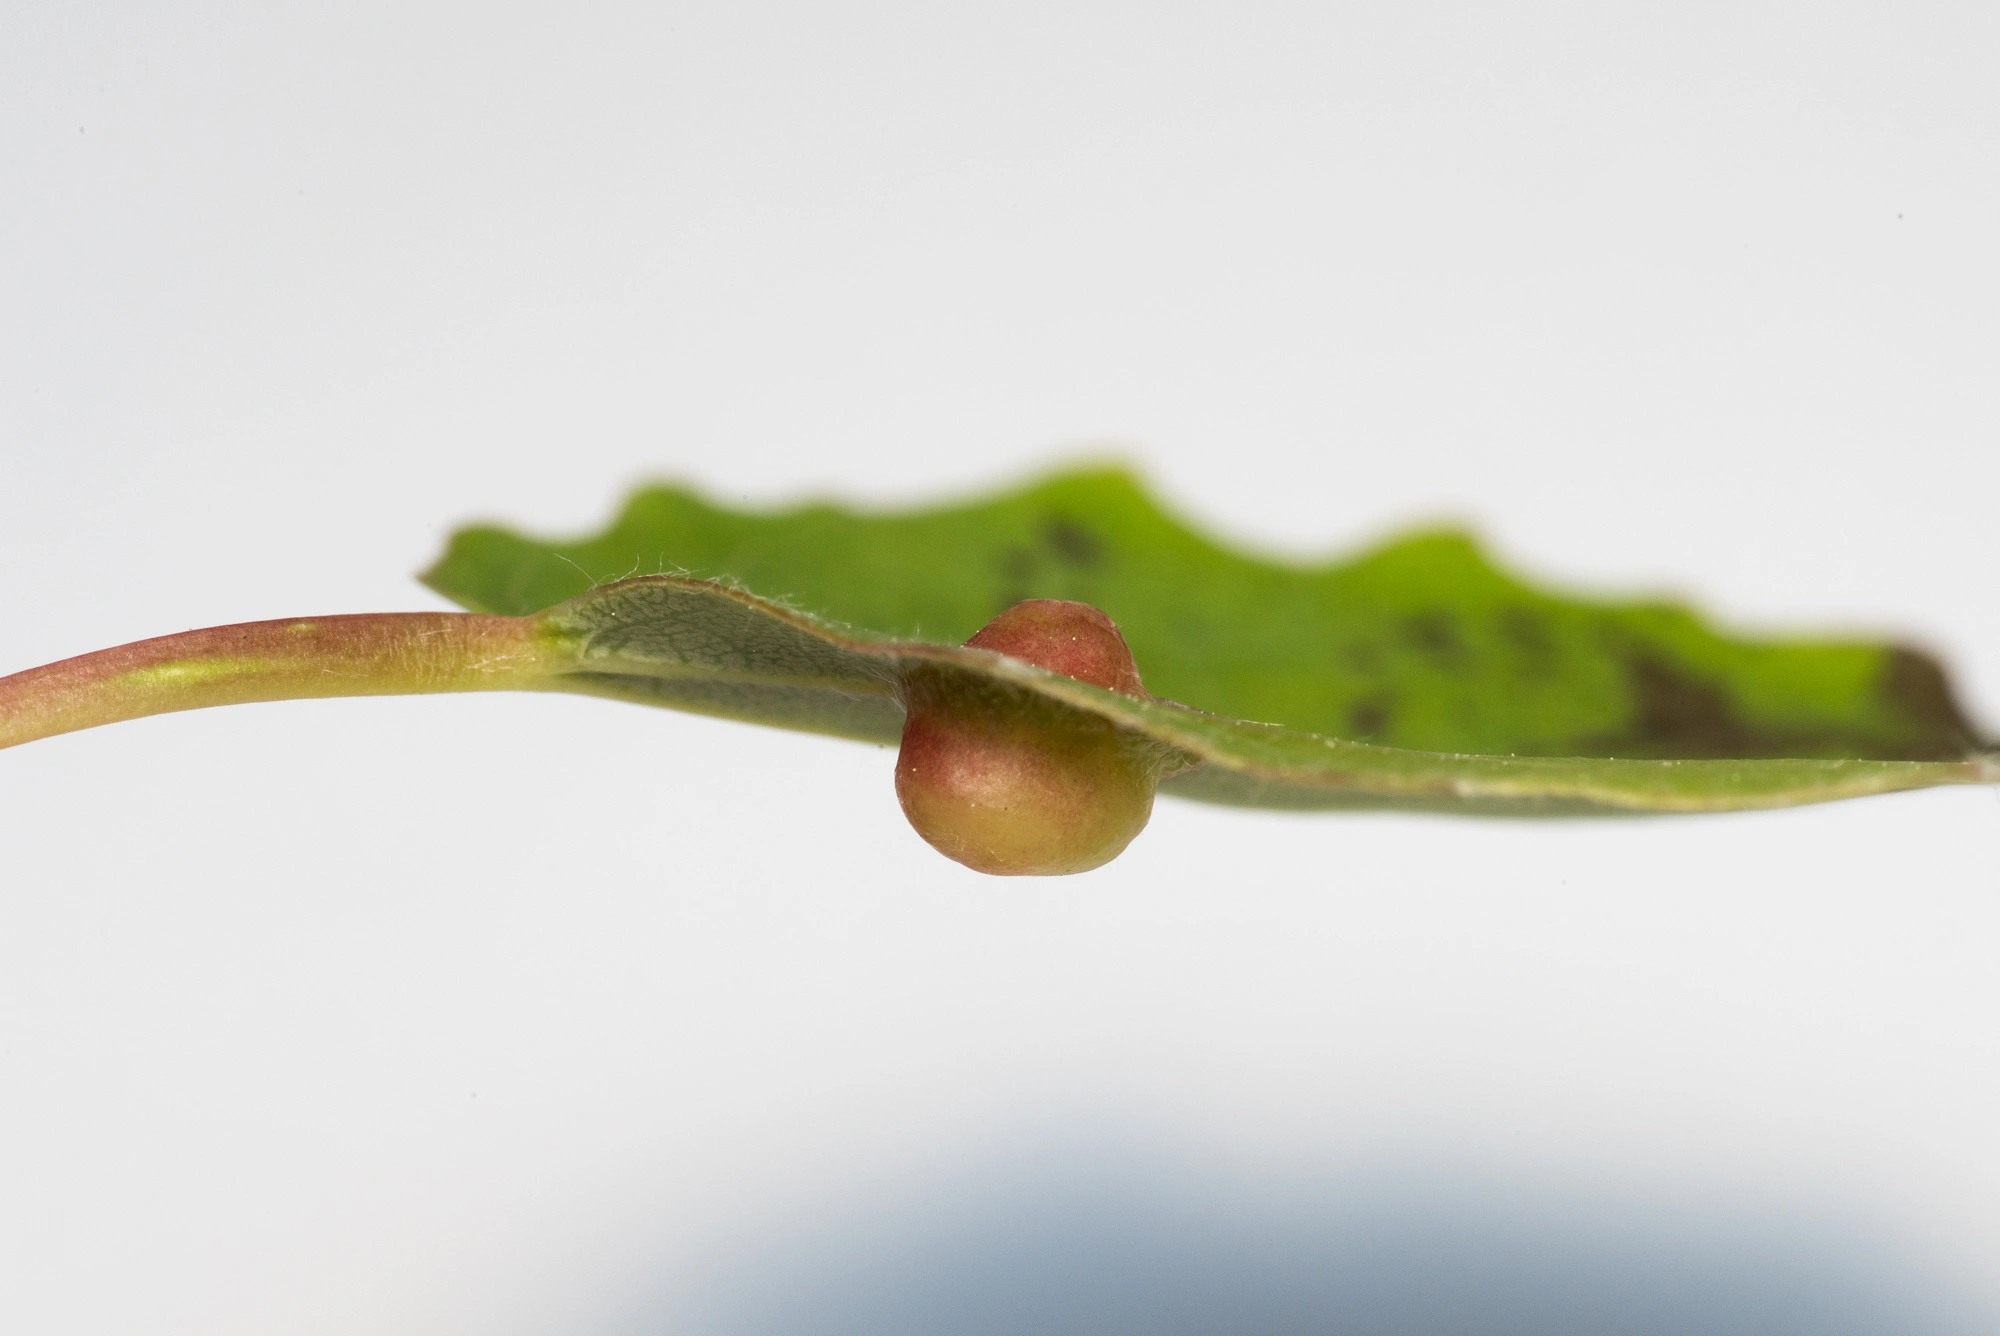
x: 534, y: 1015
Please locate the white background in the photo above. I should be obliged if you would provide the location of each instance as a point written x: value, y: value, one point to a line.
x: 535, y: 1015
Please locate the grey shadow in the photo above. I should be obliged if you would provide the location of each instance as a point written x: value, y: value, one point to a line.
x: 1068, y: 1248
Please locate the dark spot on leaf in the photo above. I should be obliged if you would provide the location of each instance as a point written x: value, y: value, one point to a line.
x: 1368, y: 719
x: 1680, y: 715
x: 1914, y: 686
x: 1071, y: 542
x: 1017, y: 564
x: 1527, y: 630
x: 1435, y: 632
x: 1362, y: 656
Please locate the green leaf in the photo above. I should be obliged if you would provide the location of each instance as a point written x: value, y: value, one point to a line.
x: 1421, y: 644
x: 714, y: 649
x: 1484, y: 681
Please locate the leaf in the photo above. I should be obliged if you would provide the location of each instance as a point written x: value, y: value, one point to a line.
x: 1421, y: 640
x: 714, y: 649
x: 1420, y: 644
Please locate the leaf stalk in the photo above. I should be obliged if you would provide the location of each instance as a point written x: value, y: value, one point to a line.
x: 367, y: 654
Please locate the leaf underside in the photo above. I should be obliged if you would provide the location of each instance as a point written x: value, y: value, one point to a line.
x: 1415, y: 676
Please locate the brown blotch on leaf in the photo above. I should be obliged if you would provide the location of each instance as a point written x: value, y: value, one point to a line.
x: 1681, y: 716
x: 1435, y: 632
x: 1369, y: 718
x: 1914, y: 685
x: 1071, y: 542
